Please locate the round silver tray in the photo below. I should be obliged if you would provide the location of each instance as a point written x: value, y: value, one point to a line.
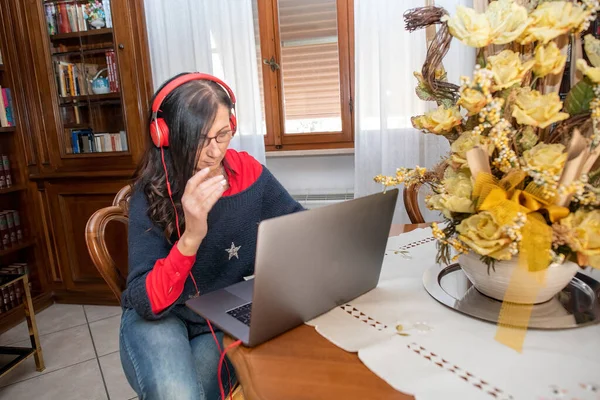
x: 576, y: 305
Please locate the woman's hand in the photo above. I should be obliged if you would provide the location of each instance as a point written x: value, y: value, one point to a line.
x: 198, y: 199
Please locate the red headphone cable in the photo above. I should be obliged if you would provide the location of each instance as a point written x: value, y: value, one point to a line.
x: 212, y: 331
x: 221, y: 360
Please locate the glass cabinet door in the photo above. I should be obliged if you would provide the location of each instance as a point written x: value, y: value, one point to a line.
x: 86, y: 71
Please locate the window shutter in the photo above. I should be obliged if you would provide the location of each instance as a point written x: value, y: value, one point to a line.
x: 310, y: 58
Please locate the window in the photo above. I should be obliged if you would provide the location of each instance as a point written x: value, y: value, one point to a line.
x: 305, y: 57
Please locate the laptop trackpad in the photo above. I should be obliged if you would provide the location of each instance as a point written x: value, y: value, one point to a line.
x: 243, y: 290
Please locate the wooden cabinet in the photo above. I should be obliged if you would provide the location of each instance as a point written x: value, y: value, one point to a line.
x: 67, y: 179
x: 69, y: 205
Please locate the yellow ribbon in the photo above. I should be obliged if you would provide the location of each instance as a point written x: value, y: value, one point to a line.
x: 504, y: 199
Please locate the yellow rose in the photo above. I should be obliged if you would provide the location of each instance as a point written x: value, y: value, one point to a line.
x: 591, y: 72
x: 549, y: 158
x: 592, y: 49
x: 507, y: 21
x: 548, y: 60
x: 538, y: 110
x: 484, y: 236
x: 584, y: 235
x: 502, y: 22
x: 469, y: 26
x: 507, y: 69
x: 472, y: 100
x: 439, y: 121
x: 552, y: 19
x: 465, y: 142
x: 457, y: 194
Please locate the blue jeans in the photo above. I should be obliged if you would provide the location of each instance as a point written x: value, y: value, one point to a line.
x: 161, y: 362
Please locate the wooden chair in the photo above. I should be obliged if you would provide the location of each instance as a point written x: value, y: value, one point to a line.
x: 411, y: 203
x: 94, y: 238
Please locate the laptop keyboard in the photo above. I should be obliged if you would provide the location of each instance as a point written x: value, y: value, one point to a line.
x: 242, y: 313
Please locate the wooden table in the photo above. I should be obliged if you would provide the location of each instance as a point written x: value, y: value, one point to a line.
x: 301, y: 364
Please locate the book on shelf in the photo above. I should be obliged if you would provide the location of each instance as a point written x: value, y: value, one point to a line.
x: 111, y: 64
x: 17, y: 222
x: 10, y: 222
x: 5, y: 175
x: 12, y: 295
x: 72, y: 78
x: 107, y: 13
x: 6, y: 108
x: 65, y: 17
x: 86, y: 141
x: 7, y: 232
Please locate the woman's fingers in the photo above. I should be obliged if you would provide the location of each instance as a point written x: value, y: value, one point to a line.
x: 197, y: 201
x: 213, y: 197
x: 207, y: 184
x: 196, y: 180
x: 204, y: 195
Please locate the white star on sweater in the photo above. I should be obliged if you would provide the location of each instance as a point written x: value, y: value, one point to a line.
x: 233, y: 251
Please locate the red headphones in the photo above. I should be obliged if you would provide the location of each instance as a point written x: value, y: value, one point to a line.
x: 159, y: 131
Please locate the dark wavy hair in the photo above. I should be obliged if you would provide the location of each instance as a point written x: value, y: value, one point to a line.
x: 189, y: 111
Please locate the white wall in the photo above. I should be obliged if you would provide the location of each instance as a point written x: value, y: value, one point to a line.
x: 315, y: 174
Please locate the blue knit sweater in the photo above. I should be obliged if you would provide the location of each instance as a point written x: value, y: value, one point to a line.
x: 233, y: 219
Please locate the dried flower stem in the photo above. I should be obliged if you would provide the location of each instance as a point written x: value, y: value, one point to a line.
x: 422, y: 17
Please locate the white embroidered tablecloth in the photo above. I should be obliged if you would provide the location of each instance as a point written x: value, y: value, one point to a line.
x: 447, y: 355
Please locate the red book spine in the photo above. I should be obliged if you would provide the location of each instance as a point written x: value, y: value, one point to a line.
x: 65, y: 26
x: 7, y: 108
x: 113, y: 88
x: 109, y: 72
x: 115, y: 71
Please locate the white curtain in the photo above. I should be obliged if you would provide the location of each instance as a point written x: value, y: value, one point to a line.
x: 386, y: 56
x: 214, y: 37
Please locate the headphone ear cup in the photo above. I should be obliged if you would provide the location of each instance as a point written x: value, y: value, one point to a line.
x: 233, y: 123
x: 159, y: 132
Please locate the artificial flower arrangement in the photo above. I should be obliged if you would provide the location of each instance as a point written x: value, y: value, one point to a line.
x: 521, y: 180
x: 94, y: 10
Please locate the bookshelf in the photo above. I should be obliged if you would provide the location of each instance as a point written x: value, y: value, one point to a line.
x: 83, y: 141
x: 18, y: 242
x: 83, y: 54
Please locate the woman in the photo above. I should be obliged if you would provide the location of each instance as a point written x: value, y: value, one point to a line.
x: 220, y: 196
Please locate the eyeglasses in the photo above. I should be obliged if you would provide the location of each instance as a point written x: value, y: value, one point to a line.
x: 222, y: 137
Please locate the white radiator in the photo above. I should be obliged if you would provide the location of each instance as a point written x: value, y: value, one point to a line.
x: 314, y: 200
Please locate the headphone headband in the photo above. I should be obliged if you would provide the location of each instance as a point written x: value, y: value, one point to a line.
x: 194, y: 76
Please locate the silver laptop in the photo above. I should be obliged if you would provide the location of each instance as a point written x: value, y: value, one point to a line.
x: 307, y: 263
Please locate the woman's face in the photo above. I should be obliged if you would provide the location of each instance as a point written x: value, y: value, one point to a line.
x: 217, y: 141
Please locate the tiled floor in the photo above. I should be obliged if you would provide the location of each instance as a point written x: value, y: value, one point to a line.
x: 81, y: 352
